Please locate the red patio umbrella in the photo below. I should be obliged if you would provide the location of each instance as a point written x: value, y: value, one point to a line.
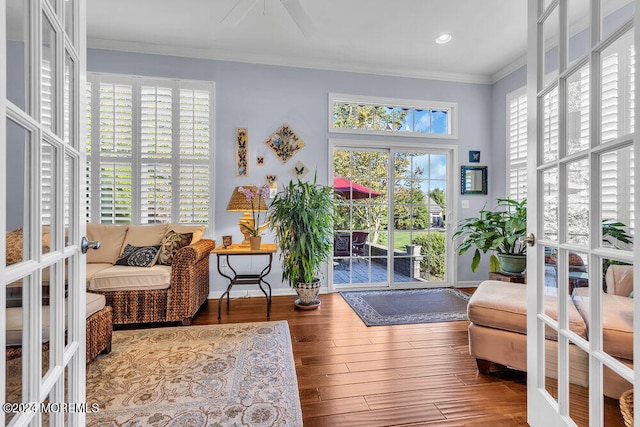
x: 352, y: 190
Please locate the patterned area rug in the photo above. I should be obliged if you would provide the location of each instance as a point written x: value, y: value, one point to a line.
x: 218, y: 375
x: 398, y: 307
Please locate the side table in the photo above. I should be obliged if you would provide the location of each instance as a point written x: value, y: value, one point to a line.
x: 267, y: 249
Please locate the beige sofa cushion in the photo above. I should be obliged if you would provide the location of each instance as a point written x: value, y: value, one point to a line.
x: 503, y: 305
x: 144, y: 235
x: 126, y: 278
x: 111, y: 237
x: 617, y: 321
x: 95, y: 303
x: 92, y: 269
x: 197, y: 230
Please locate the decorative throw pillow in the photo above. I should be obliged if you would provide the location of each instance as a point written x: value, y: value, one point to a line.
x: 138, y: 256
x: 171, y: 244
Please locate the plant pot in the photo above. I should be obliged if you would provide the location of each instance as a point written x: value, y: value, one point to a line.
x: 308, y: 295
x: 254, y: 242
x: 512, y: 264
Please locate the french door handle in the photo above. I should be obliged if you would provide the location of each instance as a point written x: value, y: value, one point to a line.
x: 529, y: 240
x: 85, y: 245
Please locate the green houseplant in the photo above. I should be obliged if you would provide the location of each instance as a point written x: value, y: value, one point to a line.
x: 498, y: 231
x: 301, y: 215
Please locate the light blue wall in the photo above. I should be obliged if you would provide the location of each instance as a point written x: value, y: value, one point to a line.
x: 262, y: 97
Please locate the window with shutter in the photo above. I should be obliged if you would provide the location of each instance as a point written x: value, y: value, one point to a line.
x: 150, y: 141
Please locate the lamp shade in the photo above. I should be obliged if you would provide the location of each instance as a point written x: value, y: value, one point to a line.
x: 238, y: 202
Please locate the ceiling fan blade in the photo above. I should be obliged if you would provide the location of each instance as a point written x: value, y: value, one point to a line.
x: 238, y: 12
x: 299, y: 16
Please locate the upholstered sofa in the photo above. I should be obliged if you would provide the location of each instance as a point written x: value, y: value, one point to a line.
x: 163, y: 292
x: 497, y: 332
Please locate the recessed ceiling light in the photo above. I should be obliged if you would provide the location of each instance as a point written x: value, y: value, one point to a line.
x: 444, y: 38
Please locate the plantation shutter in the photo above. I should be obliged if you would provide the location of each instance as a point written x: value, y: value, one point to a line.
x: 115, y: 149
x: 149, y: 150
x: 194, y: 155
x: 517, y: 146
x: 155, y: 143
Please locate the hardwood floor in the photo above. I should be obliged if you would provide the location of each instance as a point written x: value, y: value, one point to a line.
x: 412, y: 375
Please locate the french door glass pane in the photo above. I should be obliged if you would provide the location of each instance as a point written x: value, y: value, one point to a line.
x: 578, y: 389
x: 18, y: 67
x: 614, y: 14
x: 48, y: 74
x: 617, y: 195
x: 578, y: 110
x: 550, y: 127
x: 617, y: 106
x: 69, y: 96
x: 15, y: 392
x: 578, y: 185
x: 550, y: 203
x: 551, y: 364
x: 19, y: 188
x: 579, y: 28
x: 47, y: 196
x: 69, y: 184
x: 550, y: 33
x: 69, y: 26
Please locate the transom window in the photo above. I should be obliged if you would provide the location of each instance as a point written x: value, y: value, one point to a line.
x: 407, y: 117
x: 149, y: 142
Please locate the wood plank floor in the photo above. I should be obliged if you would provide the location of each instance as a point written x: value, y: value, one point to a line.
x: 411, y: 375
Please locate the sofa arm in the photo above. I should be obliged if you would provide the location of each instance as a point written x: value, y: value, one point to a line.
x: 189, y: 281
x: 190, y: 255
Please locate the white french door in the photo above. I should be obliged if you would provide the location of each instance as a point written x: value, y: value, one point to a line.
x: 391, y: 223
x: 581, y: 209
x: 42, y: 303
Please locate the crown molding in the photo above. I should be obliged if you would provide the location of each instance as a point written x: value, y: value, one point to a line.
x: 514, y: 66
x: 286, y: 61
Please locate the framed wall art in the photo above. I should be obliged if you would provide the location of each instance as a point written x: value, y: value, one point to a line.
x: 242, y: 152
x: 284, y: 142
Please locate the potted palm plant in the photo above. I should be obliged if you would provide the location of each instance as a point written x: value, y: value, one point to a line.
x: 498, y: 231
x: 301, y: 215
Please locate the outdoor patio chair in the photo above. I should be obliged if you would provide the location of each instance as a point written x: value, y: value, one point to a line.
x: 341, y: 245
x: 359, y: 238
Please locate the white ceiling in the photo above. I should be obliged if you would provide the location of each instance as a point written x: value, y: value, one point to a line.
x: 374, y: 36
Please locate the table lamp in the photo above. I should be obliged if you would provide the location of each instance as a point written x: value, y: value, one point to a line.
x: 238, y: 203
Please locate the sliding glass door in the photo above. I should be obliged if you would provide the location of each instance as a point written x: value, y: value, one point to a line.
x: 391, y: 229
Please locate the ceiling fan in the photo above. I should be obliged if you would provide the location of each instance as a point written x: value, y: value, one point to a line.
x: 293, y: 7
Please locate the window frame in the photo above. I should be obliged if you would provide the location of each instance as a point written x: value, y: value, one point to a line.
x: 450, y: 107
x: 136, y: 158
